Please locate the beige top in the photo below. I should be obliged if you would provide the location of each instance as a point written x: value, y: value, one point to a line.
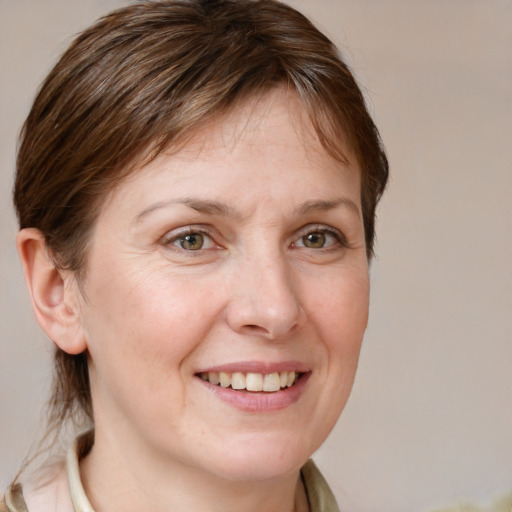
x: 320, y: 497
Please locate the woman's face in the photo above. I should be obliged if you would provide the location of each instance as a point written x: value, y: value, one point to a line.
x: 240, y: 257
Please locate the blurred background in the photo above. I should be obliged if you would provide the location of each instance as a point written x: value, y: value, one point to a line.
x: 429, y: 423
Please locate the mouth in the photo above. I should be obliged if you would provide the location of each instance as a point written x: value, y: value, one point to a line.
x: 252, y: 382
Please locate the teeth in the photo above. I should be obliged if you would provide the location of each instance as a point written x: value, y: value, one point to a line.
x: 238, y: 380
x: 225, y: 379
x: 254, y: 382
x: 214, y: 378
x: 269, y: 382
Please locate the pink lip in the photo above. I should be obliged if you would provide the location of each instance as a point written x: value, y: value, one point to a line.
x: 259, y: 367
x: 249, y: 401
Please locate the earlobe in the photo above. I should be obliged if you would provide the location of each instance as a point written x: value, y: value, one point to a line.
x: 53, y: 293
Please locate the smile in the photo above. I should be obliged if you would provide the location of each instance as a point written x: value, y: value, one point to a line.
x: 255, y: 382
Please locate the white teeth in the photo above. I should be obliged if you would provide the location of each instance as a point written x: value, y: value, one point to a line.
x: 238, y: 380
x: 254, y: 382
x: 214, y: 378
x: 225, y: 379
x: 269, y: 382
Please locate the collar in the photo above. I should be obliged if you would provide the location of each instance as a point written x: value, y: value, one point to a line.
x: 76, y: 489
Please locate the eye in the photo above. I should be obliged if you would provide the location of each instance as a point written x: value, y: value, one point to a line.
x: 191, y: 241
x: 314, y: 240
x: 320, y: 238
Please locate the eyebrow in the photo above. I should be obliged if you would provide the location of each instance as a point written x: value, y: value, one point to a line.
x: 314, y: 206
x: 217, y: 208
x: 200, y: 205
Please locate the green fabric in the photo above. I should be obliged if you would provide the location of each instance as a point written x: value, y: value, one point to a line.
x: 320, y: 496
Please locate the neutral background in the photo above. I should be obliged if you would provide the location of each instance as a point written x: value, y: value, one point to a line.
x: 429, y: 423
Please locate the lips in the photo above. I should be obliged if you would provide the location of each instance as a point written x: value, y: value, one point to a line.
x: 252, y: 381
x: 256, y: 387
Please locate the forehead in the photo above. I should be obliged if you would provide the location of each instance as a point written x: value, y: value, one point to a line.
x: 276, y: 117
x: 269, y: 137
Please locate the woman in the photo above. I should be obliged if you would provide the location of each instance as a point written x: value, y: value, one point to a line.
x: 196, y: 191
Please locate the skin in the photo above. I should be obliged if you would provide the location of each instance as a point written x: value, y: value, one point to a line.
x: 152, y: 314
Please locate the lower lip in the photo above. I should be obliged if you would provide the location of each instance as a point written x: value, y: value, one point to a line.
x: 261, y: 401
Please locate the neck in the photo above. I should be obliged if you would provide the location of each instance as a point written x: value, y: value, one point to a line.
x: 116, y: 479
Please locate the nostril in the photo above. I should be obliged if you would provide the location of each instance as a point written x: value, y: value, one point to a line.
x: 256, y: 328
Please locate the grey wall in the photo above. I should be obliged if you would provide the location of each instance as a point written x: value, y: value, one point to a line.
x: 430, y: 419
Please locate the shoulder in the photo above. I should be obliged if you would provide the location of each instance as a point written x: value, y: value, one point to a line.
x: 320, y: 496
x: 13, y: 500
x: 51, y: 494
x: 48, y: 495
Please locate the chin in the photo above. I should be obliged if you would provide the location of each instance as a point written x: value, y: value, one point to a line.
x: 264, y: 456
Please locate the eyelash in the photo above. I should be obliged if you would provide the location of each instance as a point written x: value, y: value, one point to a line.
x: 337, y: 235
x: 173, y: 239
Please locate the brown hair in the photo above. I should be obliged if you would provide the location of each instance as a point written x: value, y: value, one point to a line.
x: 143, y: 77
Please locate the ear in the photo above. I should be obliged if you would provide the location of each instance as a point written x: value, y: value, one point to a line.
x: 54, y: 294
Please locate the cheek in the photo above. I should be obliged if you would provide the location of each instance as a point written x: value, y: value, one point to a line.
x: 342, y: 317
x: 140, y: 335
x: 339, y: 313
x: 340, y: 309
x: 146, y: 322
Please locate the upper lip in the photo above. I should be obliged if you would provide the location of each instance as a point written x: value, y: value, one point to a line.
x: 258, y: 367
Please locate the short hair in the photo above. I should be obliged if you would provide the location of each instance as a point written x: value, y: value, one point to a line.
x: 143, y: 78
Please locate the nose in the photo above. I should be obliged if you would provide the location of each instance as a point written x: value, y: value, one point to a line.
x: 265, y: 300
